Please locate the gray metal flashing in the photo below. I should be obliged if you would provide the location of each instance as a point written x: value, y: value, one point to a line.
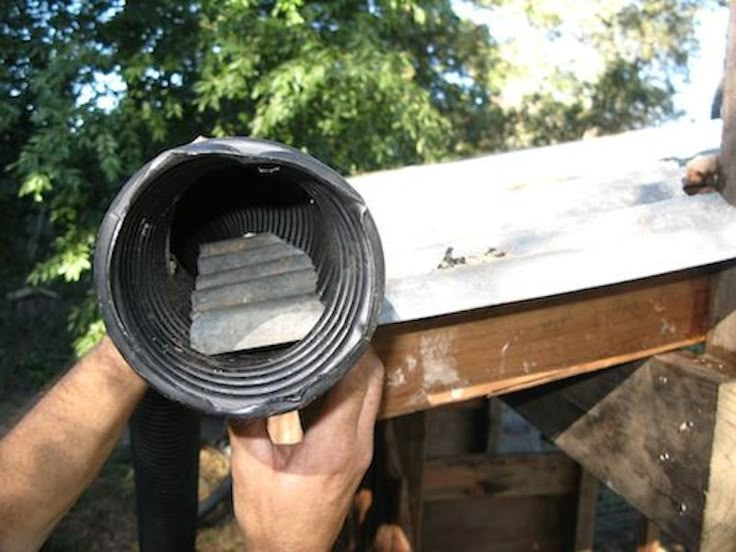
x: 529, y: 224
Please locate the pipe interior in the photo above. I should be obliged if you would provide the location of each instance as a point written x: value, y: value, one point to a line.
x: 207, y: 199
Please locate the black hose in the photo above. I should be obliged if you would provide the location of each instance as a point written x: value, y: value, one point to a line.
x: 165, y: 445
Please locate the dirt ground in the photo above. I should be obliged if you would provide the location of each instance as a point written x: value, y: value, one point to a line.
x: 104, y: 518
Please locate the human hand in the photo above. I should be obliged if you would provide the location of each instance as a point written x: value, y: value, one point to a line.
x: 296, y: 497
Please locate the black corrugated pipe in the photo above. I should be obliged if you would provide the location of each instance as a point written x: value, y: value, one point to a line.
x: 145, y: 268
x: 165, y: 445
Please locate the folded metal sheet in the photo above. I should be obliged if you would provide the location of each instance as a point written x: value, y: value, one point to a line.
x: 505, y: 228
x: 252, y: 308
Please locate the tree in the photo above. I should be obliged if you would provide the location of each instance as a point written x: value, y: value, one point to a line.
x: 90, y: 90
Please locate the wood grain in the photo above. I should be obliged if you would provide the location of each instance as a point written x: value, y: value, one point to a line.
x: 500, y: 524
x: 722, y: 337
x: 662, y: 434
x: 494, y: 351
x: 585, y: 519
x: 475, y: 475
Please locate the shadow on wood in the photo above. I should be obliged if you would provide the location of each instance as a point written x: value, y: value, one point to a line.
x: 660, y: 433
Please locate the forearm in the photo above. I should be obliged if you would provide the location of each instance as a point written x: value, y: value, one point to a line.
x: 55, y: 452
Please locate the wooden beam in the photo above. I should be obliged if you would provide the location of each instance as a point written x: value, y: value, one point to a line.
x: 390, y: 500
x: 587, y: 504
x: 493, y: 351
x: 662, y: 434
x: 495, y: 435
x: 407, y: 440
x: 475, y: 475
x: 500, y: 524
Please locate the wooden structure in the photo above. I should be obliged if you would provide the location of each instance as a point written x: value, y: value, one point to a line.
x: 539, y: 271
x: 661, y: 433
x: 589, y: 256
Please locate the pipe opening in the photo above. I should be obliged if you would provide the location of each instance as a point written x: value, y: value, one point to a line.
x: 149, y: 258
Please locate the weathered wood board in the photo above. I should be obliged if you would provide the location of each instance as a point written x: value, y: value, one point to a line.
x: 722, y: 337
x: 501, y: 524
x: 488, y: 352
x: 661, y: 433
x: 477, y: 475
x: 586, y: 510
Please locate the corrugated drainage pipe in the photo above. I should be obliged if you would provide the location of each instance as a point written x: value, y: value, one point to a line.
x: 145, y: 268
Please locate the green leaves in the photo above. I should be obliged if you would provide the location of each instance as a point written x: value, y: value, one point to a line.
x: 86, y: 325
x: 362, y: 85
x: 35, y: 185
x: 289, y: 11
x: 357, y: 110
x: 70, y: 261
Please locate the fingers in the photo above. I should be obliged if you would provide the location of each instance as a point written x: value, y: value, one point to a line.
x: 249, y: 436
x: 356, y: 397
x: 348, y: 412
x: 372, y: 400
x: 248, y: 429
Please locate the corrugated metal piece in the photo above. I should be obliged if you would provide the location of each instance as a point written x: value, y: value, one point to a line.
x: 253, y: 307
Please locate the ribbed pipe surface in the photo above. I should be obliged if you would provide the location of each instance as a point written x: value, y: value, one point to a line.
x: 145, y: 268
x: 165, y: 444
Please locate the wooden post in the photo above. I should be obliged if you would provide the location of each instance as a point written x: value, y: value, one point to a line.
x: 587, y: 502
x: 407, y: 440
x: 392, y: 522
x: 722, y: 337
x: 648, y: 536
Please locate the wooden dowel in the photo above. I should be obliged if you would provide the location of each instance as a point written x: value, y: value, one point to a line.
x: 285, y: 429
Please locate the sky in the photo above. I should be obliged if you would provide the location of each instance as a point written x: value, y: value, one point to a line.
x: 693, y: 97
x: 706, y: 67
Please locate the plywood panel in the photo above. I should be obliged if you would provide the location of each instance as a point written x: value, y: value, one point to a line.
x: 661, y: 434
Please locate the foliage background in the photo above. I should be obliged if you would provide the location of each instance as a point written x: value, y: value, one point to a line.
x: 90, y: 90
